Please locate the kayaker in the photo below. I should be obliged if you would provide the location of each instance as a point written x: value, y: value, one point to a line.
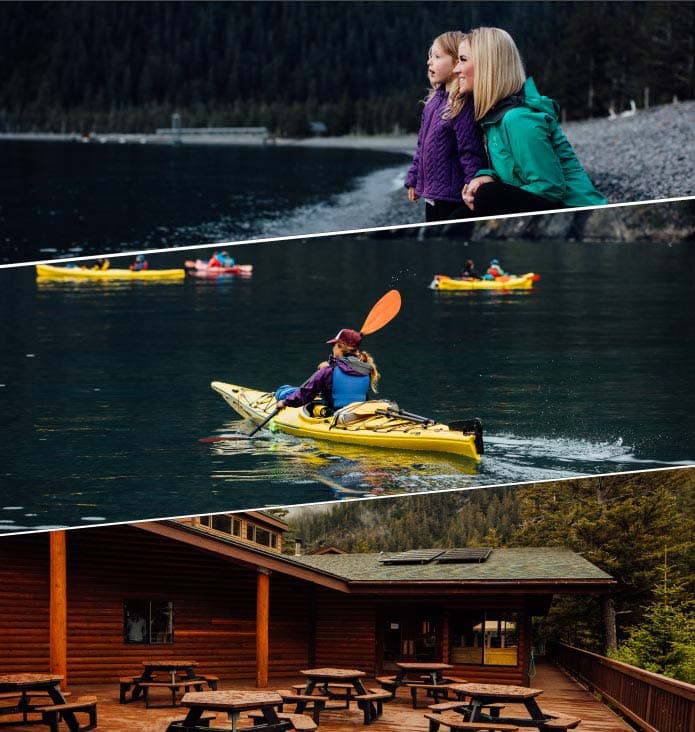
x: 469, y: 271
x: 532, y: 164
x: 221, y: 259
x: 102, y: 264
x: 494, y: 270
x: 449, y: 146
x: 139, y: 264
x: 345, y: 378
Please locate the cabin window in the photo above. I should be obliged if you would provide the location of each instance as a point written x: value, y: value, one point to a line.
x: 265, y: 537
x: 148, y: 622
x: 225, y: 524
x: 484, y: 639
x: 222, y: 523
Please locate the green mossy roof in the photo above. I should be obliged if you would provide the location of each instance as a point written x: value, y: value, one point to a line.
x: 519, y: 564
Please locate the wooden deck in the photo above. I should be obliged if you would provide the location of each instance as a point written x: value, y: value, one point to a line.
x: 560, y: 694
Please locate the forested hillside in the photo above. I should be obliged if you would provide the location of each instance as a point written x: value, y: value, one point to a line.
x: 127, y: 66
x: 639, y: 528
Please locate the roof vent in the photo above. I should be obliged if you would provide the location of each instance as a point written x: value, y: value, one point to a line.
x: 469, y: 555
x: 414, y: 556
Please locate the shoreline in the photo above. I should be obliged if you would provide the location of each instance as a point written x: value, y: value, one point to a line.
x: 397, y: 144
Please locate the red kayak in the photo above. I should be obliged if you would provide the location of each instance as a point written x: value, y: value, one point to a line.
x: 199, y: 268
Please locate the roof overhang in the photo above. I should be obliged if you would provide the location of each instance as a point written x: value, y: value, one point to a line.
x: 235, y: 551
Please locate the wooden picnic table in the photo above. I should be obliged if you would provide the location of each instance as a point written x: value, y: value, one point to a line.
x: 424, y: 668
x: 347, y: 679
x: 481, y: 695
x: 233, y: 702
x: 24, y: 683
x: 139, y: 686
x: 170, y: 666
x: 325, y: 676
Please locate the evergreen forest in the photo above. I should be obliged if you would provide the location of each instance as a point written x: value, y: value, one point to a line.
x: 639, y: 528
x: 357, y: 67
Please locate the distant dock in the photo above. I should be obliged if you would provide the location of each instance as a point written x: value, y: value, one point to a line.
x: 162, y: 136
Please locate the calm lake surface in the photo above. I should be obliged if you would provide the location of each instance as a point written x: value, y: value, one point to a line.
x: 68, y: 198
x: 104, y: 388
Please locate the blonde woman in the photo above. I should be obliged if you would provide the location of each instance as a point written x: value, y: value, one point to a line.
x: 345, y: 378
x: 532, y: 165
x: 449, y: 146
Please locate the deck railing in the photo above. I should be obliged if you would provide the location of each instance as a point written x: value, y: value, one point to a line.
x: 656, y: 703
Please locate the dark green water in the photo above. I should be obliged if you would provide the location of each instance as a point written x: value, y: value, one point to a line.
x: 105, y: 389
x: 69, y: 198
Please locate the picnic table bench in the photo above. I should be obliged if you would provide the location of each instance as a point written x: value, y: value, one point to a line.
x: 53, y: 713
x: 456, y: 723
x: 372, y: 703
x: 299, y: 722
x: 494, y: 709
x: 303, y: 702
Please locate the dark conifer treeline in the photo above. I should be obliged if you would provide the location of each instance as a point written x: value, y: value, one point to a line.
x: 127, y: 66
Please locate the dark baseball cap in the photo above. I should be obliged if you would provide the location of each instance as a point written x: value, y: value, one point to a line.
x: 351, y: 338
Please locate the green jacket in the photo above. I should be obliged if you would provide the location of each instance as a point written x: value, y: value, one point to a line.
x: 528, y: 149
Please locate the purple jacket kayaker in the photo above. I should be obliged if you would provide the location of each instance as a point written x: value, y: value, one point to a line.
x: 450, y: 148
x: 345, y: 378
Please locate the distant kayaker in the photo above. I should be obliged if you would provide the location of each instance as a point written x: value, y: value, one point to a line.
x: 345, y: 378
x: 102, y: 263
x: 221, y: 259
x: 469, y: 271
x: 532, y: 164
x: 494, y: 270
x: 139, y: 264
x: 449, y: 146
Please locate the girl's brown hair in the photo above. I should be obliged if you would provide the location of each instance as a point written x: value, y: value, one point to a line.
x: 449, y: 43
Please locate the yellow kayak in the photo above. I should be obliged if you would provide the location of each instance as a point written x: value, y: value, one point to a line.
x: 53, y: 272
x: 375, y: 423
x: 506, y: 282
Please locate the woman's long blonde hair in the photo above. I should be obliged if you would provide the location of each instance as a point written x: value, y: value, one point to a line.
x: 449, y: 42
x: 374, y: 374
x: 499, y: 70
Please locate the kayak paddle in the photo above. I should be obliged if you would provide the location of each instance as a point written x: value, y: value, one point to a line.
x: 260, y: 426
x: 384, y: 311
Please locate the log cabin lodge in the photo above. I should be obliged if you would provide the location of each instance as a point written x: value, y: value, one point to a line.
x: 91, y: 603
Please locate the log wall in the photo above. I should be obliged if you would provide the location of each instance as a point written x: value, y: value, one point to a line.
x: 24, y: 603
x: 214, y: 607
x: 345, y: 631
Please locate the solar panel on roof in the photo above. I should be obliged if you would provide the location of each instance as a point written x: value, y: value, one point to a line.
x: 467, y: 555
x: 413, y: 556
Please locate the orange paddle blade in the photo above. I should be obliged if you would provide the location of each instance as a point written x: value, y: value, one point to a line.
x: 383, y: 312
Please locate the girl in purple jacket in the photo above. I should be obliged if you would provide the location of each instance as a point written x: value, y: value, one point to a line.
x: 449, y: 145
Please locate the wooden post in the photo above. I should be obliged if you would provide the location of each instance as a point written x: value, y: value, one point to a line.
x: 58, y: 634
x: 262, y: 623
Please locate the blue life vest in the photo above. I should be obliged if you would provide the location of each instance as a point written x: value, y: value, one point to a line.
x: 348, y: 388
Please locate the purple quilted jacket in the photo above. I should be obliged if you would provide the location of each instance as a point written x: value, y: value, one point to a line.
x: 449, y: 151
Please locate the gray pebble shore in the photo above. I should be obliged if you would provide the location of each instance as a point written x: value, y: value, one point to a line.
x: 645, y: 156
